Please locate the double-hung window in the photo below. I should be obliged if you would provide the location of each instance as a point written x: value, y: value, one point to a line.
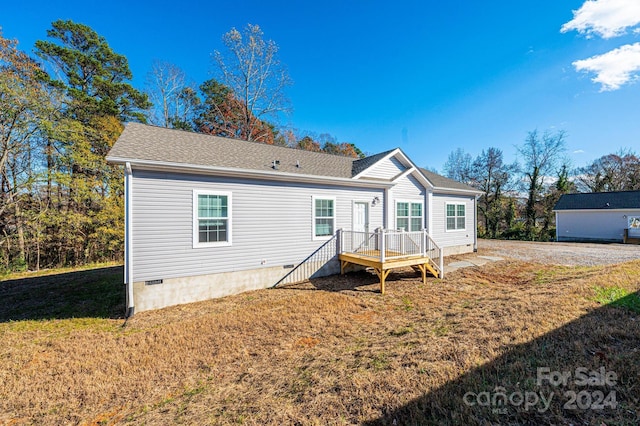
x: 409, y: 216
x: 456, y: 217
x: 211, y: 218
x: 324, y: 217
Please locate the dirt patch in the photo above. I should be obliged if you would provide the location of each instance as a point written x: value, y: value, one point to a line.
x: 572, y: 254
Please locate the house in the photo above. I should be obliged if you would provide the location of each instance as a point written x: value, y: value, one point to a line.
x: 208, y: 216
x: 598, y: 216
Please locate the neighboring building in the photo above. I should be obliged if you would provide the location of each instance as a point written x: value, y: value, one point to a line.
x: 598, y: 216
x: 208, y: 216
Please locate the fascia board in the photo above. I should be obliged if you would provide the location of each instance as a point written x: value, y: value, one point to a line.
x: 246, y: 173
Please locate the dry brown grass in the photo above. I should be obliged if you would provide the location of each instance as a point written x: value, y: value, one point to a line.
x: 332, y: 352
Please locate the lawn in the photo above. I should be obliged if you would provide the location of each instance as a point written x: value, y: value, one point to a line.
x: 333, y: 351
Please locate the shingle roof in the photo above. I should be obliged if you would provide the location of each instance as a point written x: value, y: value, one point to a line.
x: 599, y: 201
x: 443, y: 182
x: 143, y: 142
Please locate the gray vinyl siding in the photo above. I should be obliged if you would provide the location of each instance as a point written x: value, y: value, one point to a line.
x: 593, y: 225
x: 386, y: 169
x: 439, y: 232
x: 407, y: 189
x: 271, y: 222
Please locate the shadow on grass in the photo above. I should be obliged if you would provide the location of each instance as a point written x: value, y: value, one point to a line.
x: 360, y: 281
x: 506, y: 391
x: 95, y: 293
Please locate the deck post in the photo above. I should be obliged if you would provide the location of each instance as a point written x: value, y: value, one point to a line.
x: 383, y: 247
x: 383, y: 278
x: 441, y: 263
x: 424, y: 242
x: 339, y: 237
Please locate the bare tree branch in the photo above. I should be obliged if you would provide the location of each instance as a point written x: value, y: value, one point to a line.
x: 251, y: 69
x: 168, y: 89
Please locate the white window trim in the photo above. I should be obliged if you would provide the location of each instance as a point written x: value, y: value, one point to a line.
x: 196, y: 242
x: 414, y: 201
x: 446, y: 228
x: 315, y: 237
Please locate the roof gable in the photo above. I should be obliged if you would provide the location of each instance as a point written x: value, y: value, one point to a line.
x: 385, y: 167
x: 391, y: 166
x: 363, y: 164
x: 599, y: 201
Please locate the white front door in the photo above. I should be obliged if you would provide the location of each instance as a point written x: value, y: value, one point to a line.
x: 361, y: 216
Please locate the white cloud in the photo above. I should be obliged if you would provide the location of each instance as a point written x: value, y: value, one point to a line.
x: 606, y: 18
x: 579, y: 151
x: 613, y: 69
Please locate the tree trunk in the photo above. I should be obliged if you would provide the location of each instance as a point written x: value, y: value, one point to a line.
x: 531, y: 204
x: 38, y: 252
x: 49, y: 154
x: 20, y: 232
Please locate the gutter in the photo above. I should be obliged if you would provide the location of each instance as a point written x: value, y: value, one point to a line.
x: 281, y: 176
x: 128, y: 238
x: 247, y: 173
x: 441, y: 190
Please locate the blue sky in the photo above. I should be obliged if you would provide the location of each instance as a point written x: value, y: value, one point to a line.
x: 426, y: 76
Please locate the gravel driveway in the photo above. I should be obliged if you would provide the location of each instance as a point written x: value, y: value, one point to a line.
x: 560, y: 253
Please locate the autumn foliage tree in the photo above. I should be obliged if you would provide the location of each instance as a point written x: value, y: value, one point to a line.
x: 344, y: 149
x: 248, y: 96
x: 488, y: 173
x: 59, y: 122
x: 563, y: 185
x: 250, y: 69
x: 494, y: 177
x: 60, y: 113
x: 612, y: 172
x: 308, y: 144
x: 221, y: 113
x: 27, y: 114
x: 541, y: 179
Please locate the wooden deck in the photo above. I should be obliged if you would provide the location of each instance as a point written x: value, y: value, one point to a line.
x: 626, y: 239
x: 373, y: 259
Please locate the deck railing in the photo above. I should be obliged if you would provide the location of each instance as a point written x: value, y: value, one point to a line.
x: 388, y: 244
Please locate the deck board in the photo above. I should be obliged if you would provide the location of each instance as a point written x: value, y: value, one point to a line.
x: 392, y: 260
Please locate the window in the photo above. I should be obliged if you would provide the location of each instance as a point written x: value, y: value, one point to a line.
x: 211, y: 218
x: 324, y: 217
x: 409, y: 216
x: 456, y: 217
